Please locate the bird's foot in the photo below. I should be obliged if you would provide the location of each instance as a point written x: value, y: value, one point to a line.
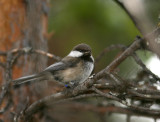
x: 71, y: 85
x: 67, y: 86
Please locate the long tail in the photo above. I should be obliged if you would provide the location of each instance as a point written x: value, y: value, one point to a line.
x: 30, y: 78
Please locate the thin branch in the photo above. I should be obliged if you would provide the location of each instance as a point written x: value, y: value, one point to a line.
x: 6, y: 107
x: 8, y: 78
x: 28, y: 50
x: 107, y: 95
x: 40, y: 104
x: 20, y: 114
x: 108, y: 49
x: 57, y: 58
x: 143, y: 96
x: 77, y: 97
x: 109, y: 109
x: 129, y: 105
x: 148, y: 91
x: 140, y: 63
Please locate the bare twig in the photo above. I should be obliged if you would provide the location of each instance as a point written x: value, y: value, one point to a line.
x: 57, y: 58
x: 6, y: 86
x: 139, y: 62
x: 18, y: 116
x: 108, y: 49
x: 109, y: 109
x: 107, y: 95
x: 142, y: 96
x: 40, y: 104
x: 77, y: 97
x: 28, y: 50
x: 6, y: 107
x: 131, y: 106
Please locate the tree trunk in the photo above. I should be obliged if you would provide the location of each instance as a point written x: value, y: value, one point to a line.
x: 23, y: 23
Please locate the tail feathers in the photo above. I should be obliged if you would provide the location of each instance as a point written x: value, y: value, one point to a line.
x: 29, y: 78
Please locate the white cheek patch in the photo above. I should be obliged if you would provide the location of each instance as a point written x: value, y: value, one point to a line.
x: 92, y: 58
x: 75, y: 54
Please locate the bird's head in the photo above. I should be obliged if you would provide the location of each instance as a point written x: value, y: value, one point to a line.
x: 81, y: 50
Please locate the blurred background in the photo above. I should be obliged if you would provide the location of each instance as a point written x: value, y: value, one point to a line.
x: 99, y: 23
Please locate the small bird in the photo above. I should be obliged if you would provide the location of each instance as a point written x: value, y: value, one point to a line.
x: 73, y: 69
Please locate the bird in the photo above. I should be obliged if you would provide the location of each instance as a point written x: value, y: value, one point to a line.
x: 72, y: 70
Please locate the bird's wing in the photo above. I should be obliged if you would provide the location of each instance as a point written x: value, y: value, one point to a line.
x: 62, y: 65
x: 56, y: 67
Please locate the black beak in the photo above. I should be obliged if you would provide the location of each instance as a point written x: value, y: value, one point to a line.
x: 87, y: 53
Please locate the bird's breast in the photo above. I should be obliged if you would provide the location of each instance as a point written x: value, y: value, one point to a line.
x: 78, y: 73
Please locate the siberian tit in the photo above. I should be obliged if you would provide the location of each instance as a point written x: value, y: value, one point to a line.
x: 73, y: 69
